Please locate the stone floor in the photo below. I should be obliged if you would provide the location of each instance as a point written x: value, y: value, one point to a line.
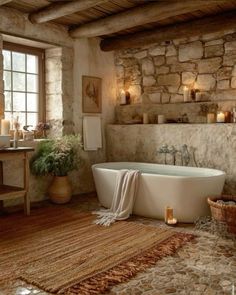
x: 206, y: 265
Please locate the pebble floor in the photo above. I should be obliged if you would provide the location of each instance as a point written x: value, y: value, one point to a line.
x: 206, y: 265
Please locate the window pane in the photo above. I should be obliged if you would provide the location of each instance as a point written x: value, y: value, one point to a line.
x: 21, y: 118
x: 32, y: 83
x: 7, y: 99
x: 32, y: 64
x: 18, y: 101
x: 6, y: 59
x: 18, y: 82
x: 7, y: 80
x: 32, y: 102
x: 18, y: 61
x: 32, y: 119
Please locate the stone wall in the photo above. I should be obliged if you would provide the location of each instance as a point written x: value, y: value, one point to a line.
x: 213, y: 145
x: 157, y: 74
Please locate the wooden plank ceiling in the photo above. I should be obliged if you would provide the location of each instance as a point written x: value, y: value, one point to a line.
x: 110, y: 8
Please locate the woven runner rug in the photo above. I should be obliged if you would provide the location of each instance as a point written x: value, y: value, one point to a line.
x: 61, y: 251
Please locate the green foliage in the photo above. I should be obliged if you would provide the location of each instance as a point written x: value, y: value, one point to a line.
x: 57, y: 156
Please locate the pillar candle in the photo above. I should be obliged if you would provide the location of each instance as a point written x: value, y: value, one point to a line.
x: 220, y: 117
x: 211, y: 118
x: 5, y: 127
x: 186, y: 94
x: 168, y: 213
x: 122, y: 97
x: 198, y: 96
x: 145, y: 118
x: 228, y: 116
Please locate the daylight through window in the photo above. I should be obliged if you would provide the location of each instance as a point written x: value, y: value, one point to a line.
x: 23, y: 83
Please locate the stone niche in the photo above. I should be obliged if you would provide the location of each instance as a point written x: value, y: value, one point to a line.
x: 157, y: 74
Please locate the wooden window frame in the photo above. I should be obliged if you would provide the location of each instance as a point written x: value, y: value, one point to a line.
x: 40, y: 53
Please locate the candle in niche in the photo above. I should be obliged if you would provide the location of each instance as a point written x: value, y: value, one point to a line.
x: 220, y: 117
x: 145, y: 118
x: 5, y: 127
x: 122, y: 97
x: 211, y: 118
x: 198, y: 96
x: 186, y: 94
x: 168, y: 213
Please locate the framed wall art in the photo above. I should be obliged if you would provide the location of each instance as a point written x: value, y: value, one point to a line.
x: 91, y: 94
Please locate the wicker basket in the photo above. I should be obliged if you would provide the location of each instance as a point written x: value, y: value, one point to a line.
x: 224, y: 213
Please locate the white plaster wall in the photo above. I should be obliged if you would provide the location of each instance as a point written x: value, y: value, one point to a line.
x: 91, y: 61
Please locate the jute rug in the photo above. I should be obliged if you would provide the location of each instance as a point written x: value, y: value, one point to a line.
x: 63, y: 252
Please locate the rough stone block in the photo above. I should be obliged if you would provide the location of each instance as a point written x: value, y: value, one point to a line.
x: 171, y: 50
x: 216, y: 50
x: 158, y: 50
x: 223, y: 84
x: 230, y: 46
x: 120, y: 72
x: 214, y: 42
x: 209, y: 65
x: 171, y: 60
x: 141, y: 54
x: 224, y: 73
x: 176, y: 98
x: 159, y: 60
x: 233, y: 82
x: 205, y: 82
x: 169, y: 79
x: 162, y: 70
x: 188, y: 78
x: 129, y: 62
x: 193, y: 50
x: 165, y: 98
x: 229, y: 59
x: 149, y: 81
x: 183, y: 67
x: 147, y: 67
x: 155, y: 97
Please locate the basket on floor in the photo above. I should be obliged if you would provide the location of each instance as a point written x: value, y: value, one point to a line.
x: 222, y: 212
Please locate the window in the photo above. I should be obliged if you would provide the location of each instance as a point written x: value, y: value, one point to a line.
x: 23, y: 83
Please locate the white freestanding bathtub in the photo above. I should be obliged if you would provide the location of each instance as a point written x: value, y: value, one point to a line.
x: 183, y: 188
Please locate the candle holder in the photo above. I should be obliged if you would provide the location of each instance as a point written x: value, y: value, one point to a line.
x: 169, y: 218
x: 172, y: 222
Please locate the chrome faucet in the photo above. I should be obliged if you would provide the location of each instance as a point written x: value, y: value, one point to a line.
x: 185, y: 156
x: 164, y: 150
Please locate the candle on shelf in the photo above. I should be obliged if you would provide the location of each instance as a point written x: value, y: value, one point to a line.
x: 5, y: 127
x: 122, y: 97
x: 220, y: 117
x: 228, y: 117
x: 186, y: 94
x: 161, y: 119
x: 211, y: 118
x: 172, y: 221
x: 145, y: 118
x: 168, y: 213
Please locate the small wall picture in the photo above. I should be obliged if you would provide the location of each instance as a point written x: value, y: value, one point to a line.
x: 92, y: 94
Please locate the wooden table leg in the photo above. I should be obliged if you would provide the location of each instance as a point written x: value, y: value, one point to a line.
x: 26, y: 185
x: 1, y: 182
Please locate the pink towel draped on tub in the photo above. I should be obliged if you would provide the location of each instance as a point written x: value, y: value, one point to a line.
x: 123, y: 199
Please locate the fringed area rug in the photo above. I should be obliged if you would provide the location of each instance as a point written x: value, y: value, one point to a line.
x: 61, y: 251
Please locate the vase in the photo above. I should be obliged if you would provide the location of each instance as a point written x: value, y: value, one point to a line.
x: 60, y: 190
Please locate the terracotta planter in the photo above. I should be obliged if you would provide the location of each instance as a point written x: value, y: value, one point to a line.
x: 60, y: 190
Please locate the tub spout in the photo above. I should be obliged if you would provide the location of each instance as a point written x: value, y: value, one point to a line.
x: 185, y: 156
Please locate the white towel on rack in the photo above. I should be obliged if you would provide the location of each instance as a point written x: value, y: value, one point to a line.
x: 92, y: 133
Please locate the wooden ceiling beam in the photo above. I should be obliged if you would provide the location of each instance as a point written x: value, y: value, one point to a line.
x: 2, y: 2
x: 206, y: 25
x: 148, y: 13
x: 57, y: 10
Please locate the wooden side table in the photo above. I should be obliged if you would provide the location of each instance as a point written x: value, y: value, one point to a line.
x: 11, y: 192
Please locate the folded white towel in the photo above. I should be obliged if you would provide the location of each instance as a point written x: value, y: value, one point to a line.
x: 123, y: 198
x: 92, y: 133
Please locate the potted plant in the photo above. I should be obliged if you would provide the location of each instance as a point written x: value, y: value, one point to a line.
x: 57, y: 157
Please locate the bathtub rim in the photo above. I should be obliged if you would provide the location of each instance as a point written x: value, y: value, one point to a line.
x: 216, y: 172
